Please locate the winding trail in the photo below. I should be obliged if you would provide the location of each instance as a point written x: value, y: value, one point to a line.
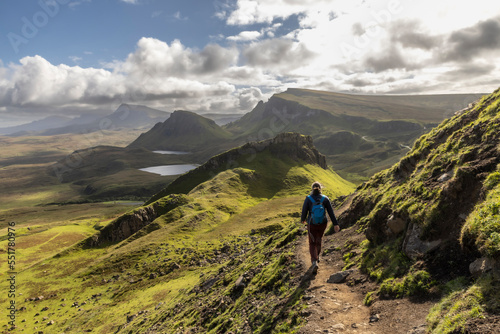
x: 339, y: 308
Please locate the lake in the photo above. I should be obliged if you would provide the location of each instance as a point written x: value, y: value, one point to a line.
x: 171, y: 152
x: 169, y: 169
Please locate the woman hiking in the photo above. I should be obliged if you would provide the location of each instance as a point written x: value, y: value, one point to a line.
x: 314, y: 208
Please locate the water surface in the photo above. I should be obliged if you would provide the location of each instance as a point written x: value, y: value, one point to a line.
x: 171, y: 152
x: 169, y: 169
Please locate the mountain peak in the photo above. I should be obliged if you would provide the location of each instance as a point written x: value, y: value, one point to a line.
x: 182, y: 131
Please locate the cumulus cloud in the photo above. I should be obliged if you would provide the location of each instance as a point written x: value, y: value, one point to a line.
x: 265, y: 11
x: 245, y: 36
x: 156, y: 71
x: 467, y: 43
x: 36, y: 82
x: 278, y: 53
x: 410, y: 34
x: 248, y: 97
x: 157, y: 58
x: 390, y: 59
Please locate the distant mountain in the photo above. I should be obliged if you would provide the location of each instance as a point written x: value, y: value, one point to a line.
x: 387, y: 125
x: 222, y: 119
x: 36, y: 126
x: 184, y: 131
x: 127, y: 116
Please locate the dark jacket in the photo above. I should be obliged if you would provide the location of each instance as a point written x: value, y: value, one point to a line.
x: 307, y: 208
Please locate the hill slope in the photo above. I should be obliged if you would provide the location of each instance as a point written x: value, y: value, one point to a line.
x: 432, y: 221
x: 216, y: 258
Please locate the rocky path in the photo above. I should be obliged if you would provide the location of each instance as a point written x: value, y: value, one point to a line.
x: 339, y: 307
x: 333, y: 308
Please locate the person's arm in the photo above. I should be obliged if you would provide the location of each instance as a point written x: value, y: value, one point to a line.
x: 329, y: 209
x: 305, y: 210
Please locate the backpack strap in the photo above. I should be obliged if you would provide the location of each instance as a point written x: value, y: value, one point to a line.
x: 313, y: 201
x: 310, y: 198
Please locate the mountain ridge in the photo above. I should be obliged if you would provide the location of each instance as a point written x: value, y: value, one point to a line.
x: 287, y: 145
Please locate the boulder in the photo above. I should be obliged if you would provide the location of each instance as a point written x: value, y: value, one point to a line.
x: 481, y: 266
x: 413, y: 246
x: 339, y: 277
x: 395, y: 224
x: 445, y: 177
x: 240, y: 282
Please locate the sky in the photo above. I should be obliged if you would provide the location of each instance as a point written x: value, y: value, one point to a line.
x: 69, y: 57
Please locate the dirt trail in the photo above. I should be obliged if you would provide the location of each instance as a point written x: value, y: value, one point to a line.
x: 333, y: 308
x: 339, y: 308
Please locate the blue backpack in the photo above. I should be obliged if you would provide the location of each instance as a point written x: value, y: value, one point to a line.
x: 318, y: 210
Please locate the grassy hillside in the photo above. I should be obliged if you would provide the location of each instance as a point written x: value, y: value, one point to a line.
x: 433, y: 217
x: 217, y: 258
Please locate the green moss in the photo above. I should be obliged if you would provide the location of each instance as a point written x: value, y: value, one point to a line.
x: 414, y: 284
x: 482, y: 227
x: 384, y: 261
x: 460, y: 304
x: 369, y: 298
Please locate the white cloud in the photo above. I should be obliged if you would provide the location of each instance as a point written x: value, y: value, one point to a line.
x: 245, y: 36
x: 178, y: 16
x: 355, y: 45
x: 377, y: 46
x: 248, y: 97
x: 156, y: 73
x: 75, y: 59
x: 265, y: 11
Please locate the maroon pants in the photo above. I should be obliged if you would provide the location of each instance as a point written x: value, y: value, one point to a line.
x: 315, y: 232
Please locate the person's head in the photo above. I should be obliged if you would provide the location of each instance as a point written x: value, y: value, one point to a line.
x: 316, y: 188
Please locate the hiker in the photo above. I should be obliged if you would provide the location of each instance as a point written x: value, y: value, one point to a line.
x: 315, y: 207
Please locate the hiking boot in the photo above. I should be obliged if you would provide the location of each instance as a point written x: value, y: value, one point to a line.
x: 315, y: 267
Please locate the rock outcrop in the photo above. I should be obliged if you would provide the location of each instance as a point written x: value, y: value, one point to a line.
x: 124, y: 226
x: 132, y: 222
